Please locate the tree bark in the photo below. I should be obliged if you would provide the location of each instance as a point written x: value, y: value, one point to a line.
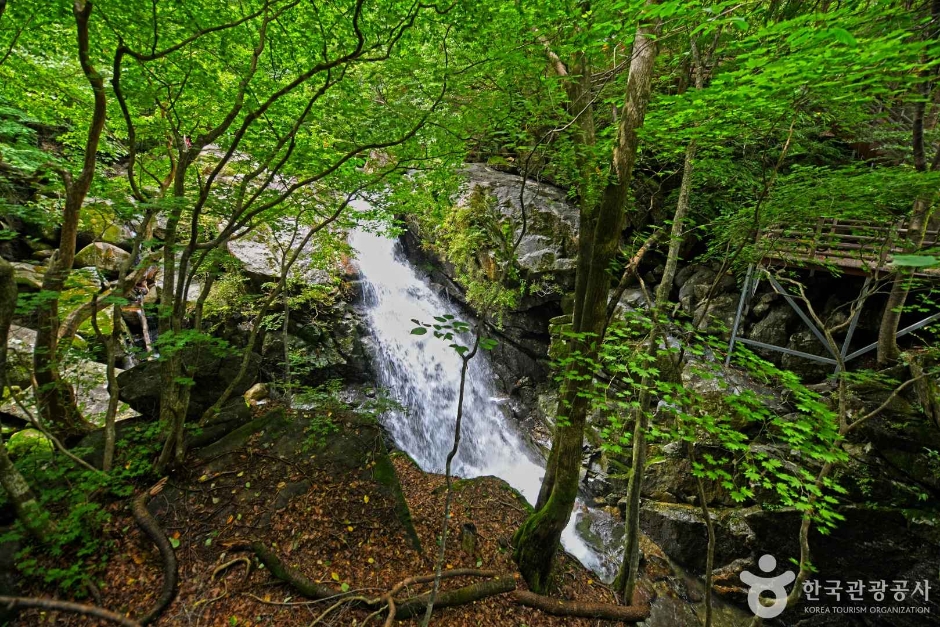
x: 28, y: 509
x: 601, y: 611
x: 629, y: 570
x: 888, y: 350
x: 55, y: 398
x: 67, y: 606
x: 578, y: 90
x: 537, y: 539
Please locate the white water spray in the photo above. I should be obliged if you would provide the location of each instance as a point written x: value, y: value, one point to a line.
x: 423, y: 374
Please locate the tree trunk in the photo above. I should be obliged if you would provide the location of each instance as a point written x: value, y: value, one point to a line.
x: 28, y: 509
x: 537, y: 539
x: 55, y: 398
x: 579, y: 96
x: 678, y: 224
x: 888, y: 350
x: 629, y: 569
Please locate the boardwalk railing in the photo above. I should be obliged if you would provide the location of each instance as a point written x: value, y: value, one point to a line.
x: 856, y: 246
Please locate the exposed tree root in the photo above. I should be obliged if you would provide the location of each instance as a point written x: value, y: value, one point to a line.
x: 155, y: 532
x: 304, y: 586
x: 605, y: 611
x: 461, y: 596
x: 68, y: 606
x: 497, y: 583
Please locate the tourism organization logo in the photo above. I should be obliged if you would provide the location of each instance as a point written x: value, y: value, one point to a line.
x: 878, y: 591
x: 774, y: 585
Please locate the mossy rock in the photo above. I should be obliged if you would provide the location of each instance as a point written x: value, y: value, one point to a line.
x: 384, y: 474
x: 26, y: 442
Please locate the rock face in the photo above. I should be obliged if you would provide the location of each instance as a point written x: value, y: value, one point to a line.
x: 260, y: 259
x: 327, y: 348
x: 550, y: 242
x: 868, y: 545
x: 108, y: 258
x: 141, y: 385
x: 773, y: 329
x: 546, y: 260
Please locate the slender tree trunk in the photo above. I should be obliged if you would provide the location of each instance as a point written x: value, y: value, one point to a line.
x: 710, y: 530
x: 888, y: 350
x: 678, y: 225
x: 629, y: 570
x: 172, y: 405
x: 537, y: 539
x: 447, y: 479
x: 685, y: 188
x: 579, y: 95
x: 55, y: 398
x: 28, y: 509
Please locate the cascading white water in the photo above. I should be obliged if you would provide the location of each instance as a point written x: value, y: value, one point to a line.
x: 423, y: 374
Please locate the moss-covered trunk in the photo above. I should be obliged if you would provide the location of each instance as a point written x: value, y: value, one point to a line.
x: 538, y: 538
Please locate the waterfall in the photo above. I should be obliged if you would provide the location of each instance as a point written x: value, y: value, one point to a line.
x: 423, y: 374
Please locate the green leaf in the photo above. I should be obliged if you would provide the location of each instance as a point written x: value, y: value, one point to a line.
x: 419, y: 331
x: 914, y: 261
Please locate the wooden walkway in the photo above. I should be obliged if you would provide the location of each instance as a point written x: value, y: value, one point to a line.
x: 851, y: 246
x: 838, y: 246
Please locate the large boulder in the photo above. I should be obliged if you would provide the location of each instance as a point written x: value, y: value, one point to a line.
x: 806, y: 342
x: 550, y: 242
x: 330, y: 348
x: 88, y: 378
x: 773, y: 329
x: 680, y: 530
x: 141, y: 385
x: 261, y: 257
x: 108, y: 258
x: 868, y: 545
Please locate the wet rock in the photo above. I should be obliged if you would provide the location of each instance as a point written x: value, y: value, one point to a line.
x: 726, y: 580
x: 141, y: 385
x: 108, y: 258
x: 681, y: 532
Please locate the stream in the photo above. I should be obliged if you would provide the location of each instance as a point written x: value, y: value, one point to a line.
x: 423, y: 374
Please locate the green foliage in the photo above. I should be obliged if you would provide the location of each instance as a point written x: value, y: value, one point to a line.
x: 479, y: 240
x: 79, y: 502
x: 751, y: 449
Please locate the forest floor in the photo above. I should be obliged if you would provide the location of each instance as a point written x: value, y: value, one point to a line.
x: 321, y: 503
